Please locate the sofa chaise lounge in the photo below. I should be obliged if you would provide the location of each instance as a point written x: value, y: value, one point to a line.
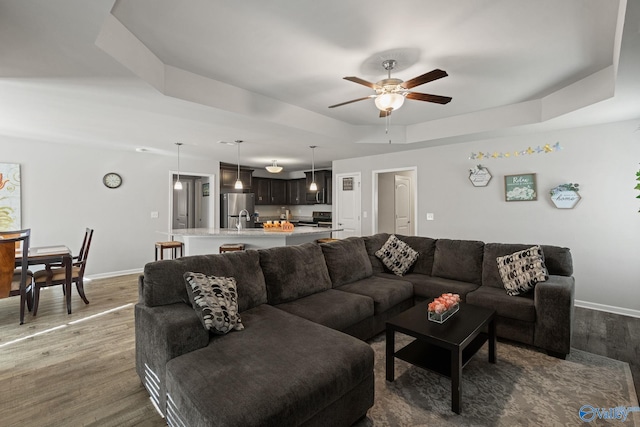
x: 307, y: 310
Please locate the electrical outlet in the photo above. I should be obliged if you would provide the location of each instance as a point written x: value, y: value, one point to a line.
x: 154, y: 214
x: 430, y: 216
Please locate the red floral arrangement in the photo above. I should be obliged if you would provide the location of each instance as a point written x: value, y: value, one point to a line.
x: 444, y: 302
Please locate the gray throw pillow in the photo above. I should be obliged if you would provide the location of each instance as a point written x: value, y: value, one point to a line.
x: 215, y: 301
x: 397, y: 255
x: 521, y: 270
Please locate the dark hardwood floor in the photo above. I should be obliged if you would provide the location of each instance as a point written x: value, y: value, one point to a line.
x: 610, y: 335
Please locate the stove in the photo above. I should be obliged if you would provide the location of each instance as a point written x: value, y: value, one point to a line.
x: 319, y: 219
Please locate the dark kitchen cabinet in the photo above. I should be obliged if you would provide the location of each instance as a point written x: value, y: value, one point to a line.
x: 324, y: 182
x: 278, y: 191
x: 229, y: 175
x: 262, y: 188
x: 270, y: 191
x: 296, y: 191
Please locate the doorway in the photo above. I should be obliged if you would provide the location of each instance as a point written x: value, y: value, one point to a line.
x: 194, y: 205
x: 348, y: 201
x: 395, y: 201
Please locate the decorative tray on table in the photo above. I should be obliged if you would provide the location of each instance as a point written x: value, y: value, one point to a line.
x: 278, y: 226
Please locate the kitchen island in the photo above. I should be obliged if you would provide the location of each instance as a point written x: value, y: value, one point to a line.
x: 201, y: 241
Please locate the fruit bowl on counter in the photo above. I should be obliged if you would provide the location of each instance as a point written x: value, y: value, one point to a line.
x: 278, y: 226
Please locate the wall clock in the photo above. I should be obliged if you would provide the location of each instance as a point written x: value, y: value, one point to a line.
x: 112, y: 180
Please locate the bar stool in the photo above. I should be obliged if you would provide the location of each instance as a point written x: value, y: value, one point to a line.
x: 169, y: 245
x: 231, y: 247
x: 327, y: 240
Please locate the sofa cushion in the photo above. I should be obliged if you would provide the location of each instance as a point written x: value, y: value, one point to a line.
x: 396, y: 255
x: 519, y: 307
x: 331, y: 308
x: 426, y: 247
x: 557, y: 260
x: 163, y: 281
x: 373, y: 244
x: 430, y: 287
x: 347, y: 260
x: 290, y: 369
x: 458, y: 260
x: 521, y: 270
x: 293, y: 272
x: 385, y: 293
x: 215, y: 301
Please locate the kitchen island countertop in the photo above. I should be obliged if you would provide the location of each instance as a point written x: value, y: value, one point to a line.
x: 200, y: 241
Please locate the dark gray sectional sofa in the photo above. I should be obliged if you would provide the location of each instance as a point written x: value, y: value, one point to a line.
x: 302, y: 359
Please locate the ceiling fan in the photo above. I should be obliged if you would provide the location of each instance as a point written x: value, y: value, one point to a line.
x: 390, y: 93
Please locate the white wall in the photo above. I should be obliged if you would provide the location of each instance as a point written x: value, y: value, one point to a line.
x: 62, y: 193
x: 602, y: 230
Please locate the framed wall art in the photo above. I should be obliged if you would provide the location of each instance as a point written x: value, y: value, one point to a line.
x: 10, y: 201
x: 520, y: 188
x: 479, y: 176
x: 565, y: 196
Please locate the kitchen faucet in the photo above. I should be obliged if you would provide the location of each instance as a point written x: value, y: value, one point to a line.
x: 239, y: 224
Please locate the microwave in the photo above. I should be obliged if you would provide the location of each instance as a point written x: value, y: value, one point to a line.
x: 317, y: 197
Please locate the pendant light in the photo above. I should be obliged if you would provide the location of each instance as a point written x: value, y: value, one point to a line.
x: 313, y: 186
x: 238, y: 185
x: 274, y: 168
x: 178, y: 184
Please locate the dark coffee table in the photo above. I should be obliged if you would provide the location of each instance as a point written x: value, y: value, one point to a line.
x: 444, y: 348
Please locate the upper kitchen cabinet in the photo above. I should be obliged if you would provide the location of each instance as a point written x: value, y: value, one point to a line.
x: 270, y: 191
x: 324, y: 183
x: 296, y: 191
x: 229, y: 175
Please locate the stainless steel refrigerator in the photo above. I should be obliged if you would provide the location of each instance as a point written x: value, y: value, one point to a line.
x: 232, y: 205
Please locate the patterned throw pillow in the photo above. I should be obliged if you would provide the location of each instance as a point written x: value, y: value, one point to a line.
x: 397, y: 255
x: 215, y: 300
x: 521, y: 270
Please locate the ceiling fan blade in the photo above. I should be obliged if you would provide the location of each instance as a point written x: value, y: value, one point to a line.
x: 362, y: 82
x: 353, y: 100
x: 425, y: 78
x: 385, y: 113
x: 429, y: 98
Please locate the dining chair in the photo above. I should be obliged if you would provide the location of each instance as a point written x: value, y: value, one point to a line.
x: 55, y: 274
x: 16, y: 281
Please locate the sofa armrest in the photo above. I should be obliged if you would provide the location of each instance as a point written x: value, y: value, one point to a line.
x: 161, y: 334
x: 554, y: 300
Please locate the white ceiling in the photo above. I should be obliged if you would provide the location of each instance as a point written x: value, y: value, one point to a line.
x: 148, y: 73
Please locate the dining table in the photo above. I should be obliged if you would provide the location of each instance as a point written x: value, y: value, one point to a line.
x: 58, y: 254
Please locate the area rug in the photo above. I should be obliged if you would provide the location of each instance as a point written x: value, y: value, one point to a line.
x: 525, y: 387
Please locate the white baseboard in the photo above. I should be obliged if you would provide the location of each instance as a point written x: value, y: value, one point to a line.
x: 608, y: 308
x: 114, y: 274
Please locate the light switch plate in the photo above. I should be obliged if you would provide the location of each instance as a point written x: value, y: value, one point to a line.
x: 430, y: 216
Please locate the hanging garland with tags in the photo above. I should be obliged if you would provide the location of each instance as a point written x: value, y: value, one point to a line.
x: 544, y: 149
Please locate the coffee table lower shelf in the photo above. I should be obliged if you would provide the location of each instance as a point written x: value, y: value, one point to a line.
x: 437, y: 359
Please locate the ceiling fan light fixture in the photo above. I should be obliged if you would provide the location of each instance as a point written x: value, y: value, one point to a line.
x: 274, y: 168
x: 389, y: 101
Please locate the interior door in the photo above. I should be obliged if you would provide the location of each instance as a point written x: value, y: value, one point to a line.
x: 182, y: 200
x: 347, y: 202
x: 403, y: 205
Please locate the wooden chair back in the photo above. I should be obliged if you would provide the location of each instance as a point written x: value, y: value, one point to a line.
x: 10, y: 241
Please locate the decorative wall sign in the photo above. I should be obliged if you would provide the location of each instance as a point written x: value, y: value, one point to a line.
x: 10, y: 201
x: 520, y: 187
x: 565, y: 196
x: 205, y: 189
x: 479, y: 176
x: 547, y: 148
x: 347, y: 184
